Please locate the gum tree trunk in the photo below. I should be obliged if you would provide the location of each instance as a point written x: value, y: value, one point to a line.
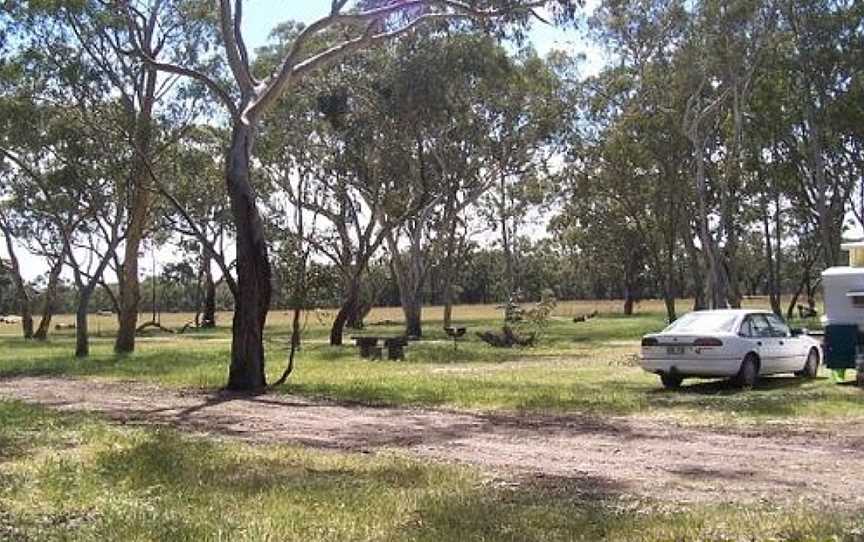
x: 509, y: 266
x: 409, y: 267
x: 20, y: 285
x: 346, y: 311
x: 717, y: 293
x: 130, y: 287
x: 696, y: 272
x: 208, y: 316
x: 50, y: 302
x: 253, y: 269
x: 413, y: 310
x: 82, y: 338
x: 449, y: 294
x: 669, y: 282
x: 629, y: 302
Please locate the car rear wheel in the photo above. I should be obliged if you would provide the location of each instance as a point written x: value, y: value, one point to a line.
x: 811, y: 367
x: 748, y: 374
x: 671, y: 381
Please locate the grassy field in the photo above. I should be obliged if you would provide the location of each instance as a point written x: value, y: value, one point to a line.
x: 78, y: 477
x: 589, y: 367
x: 75, y: 477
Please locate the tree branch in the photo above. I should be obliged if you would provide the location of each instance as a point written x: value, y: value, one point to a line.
x: 237, y: 60
x: 214, y: 87
x: 372, y: 18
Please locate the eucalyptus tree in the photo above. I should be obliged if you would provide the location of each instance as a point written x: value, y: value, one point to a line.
x: 436, y: 105
x: 740, y: 34
x: 824, y: 48
x: 12, y: 268
x: 337, y: 156
x: 38, y: 152
x: 65, y: 194
x: 86, y: 47
x: 628, y: 153
x: 524, y: 119
x: 252, y: 96
x: 19, y: 226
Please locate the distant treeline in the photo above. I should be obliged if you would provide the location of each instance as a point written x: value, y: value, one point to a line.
x: 540, y: 266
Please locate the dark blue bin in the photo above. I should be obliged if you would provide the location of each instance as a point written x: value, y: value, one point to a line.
x: 841, y: 345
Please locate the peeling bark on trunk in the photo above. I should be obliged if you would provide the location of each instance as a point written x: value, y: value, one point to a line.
x: 50, y: 301
x: 130, y: 287
x: 253, y: 269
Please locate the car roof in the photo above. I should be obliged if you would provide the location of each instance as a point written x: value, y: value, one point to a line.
x: 736, y: 311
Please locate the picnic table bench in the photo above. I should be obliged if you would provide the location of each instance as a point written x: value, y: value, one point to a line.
x: 369, y: 348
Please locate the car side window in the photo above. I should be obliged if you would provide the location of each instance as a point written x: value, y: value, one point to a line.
x: 760, y: 326
x: 746, y: 328
x: 778, y: 326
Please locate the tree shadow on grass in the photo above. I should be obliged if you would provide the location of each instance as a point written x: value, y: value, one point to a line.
x: 442, y: 509
x: 577, y: 507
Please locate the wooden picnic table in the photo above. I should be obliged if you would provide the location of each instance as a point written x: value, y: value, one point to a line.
x: 369, y: 349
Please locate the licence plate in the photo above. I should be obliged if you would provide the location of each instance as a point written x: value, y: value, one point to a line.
x: 675, y: 350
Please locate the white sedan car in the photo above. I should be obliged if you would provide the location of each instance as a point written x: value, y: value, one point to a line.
x: 742, y: 344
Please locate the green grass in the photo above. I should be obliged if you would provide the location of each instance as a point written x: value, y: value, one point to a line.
x: 585, y: 368
x: 76, y: 477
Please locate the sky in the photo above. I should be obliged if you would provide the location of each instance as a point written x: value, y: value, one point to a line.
x: 261, y: 16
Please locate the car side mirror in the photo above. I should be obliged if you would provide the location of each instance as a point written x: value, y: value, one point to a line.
x: 797, y: 331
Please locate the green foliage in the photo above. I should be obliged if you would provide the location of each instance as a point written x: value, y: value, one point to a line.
x: 539, y: 316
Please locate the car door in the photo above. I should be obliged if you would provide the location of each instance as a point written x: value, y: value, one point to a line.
x: 767, y: 344
x: 791, y: 359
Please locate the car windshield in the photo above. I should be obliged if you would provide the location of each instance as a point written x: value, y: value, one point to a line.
x: 702, y: 322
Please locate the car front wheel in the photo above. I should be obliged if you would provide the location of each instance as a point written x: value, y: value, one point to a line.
x: 811, y: 367
x: 748, y: 374
x: 671, y: 381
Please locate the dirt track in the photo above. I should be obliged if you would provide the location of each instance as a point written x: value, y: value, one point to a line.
x: 610, y: 455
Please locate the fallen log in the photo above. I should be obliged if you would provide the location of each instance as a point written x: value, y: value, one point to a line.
x: 507, y: 338
x: 157, y: 325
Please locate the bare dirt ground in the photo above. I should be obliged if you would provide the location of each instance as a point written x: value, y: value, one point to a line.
x: 615, y: 455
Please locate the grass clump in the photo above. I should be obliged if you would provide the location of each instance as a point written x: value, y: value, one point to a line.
x: 77, y: 477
